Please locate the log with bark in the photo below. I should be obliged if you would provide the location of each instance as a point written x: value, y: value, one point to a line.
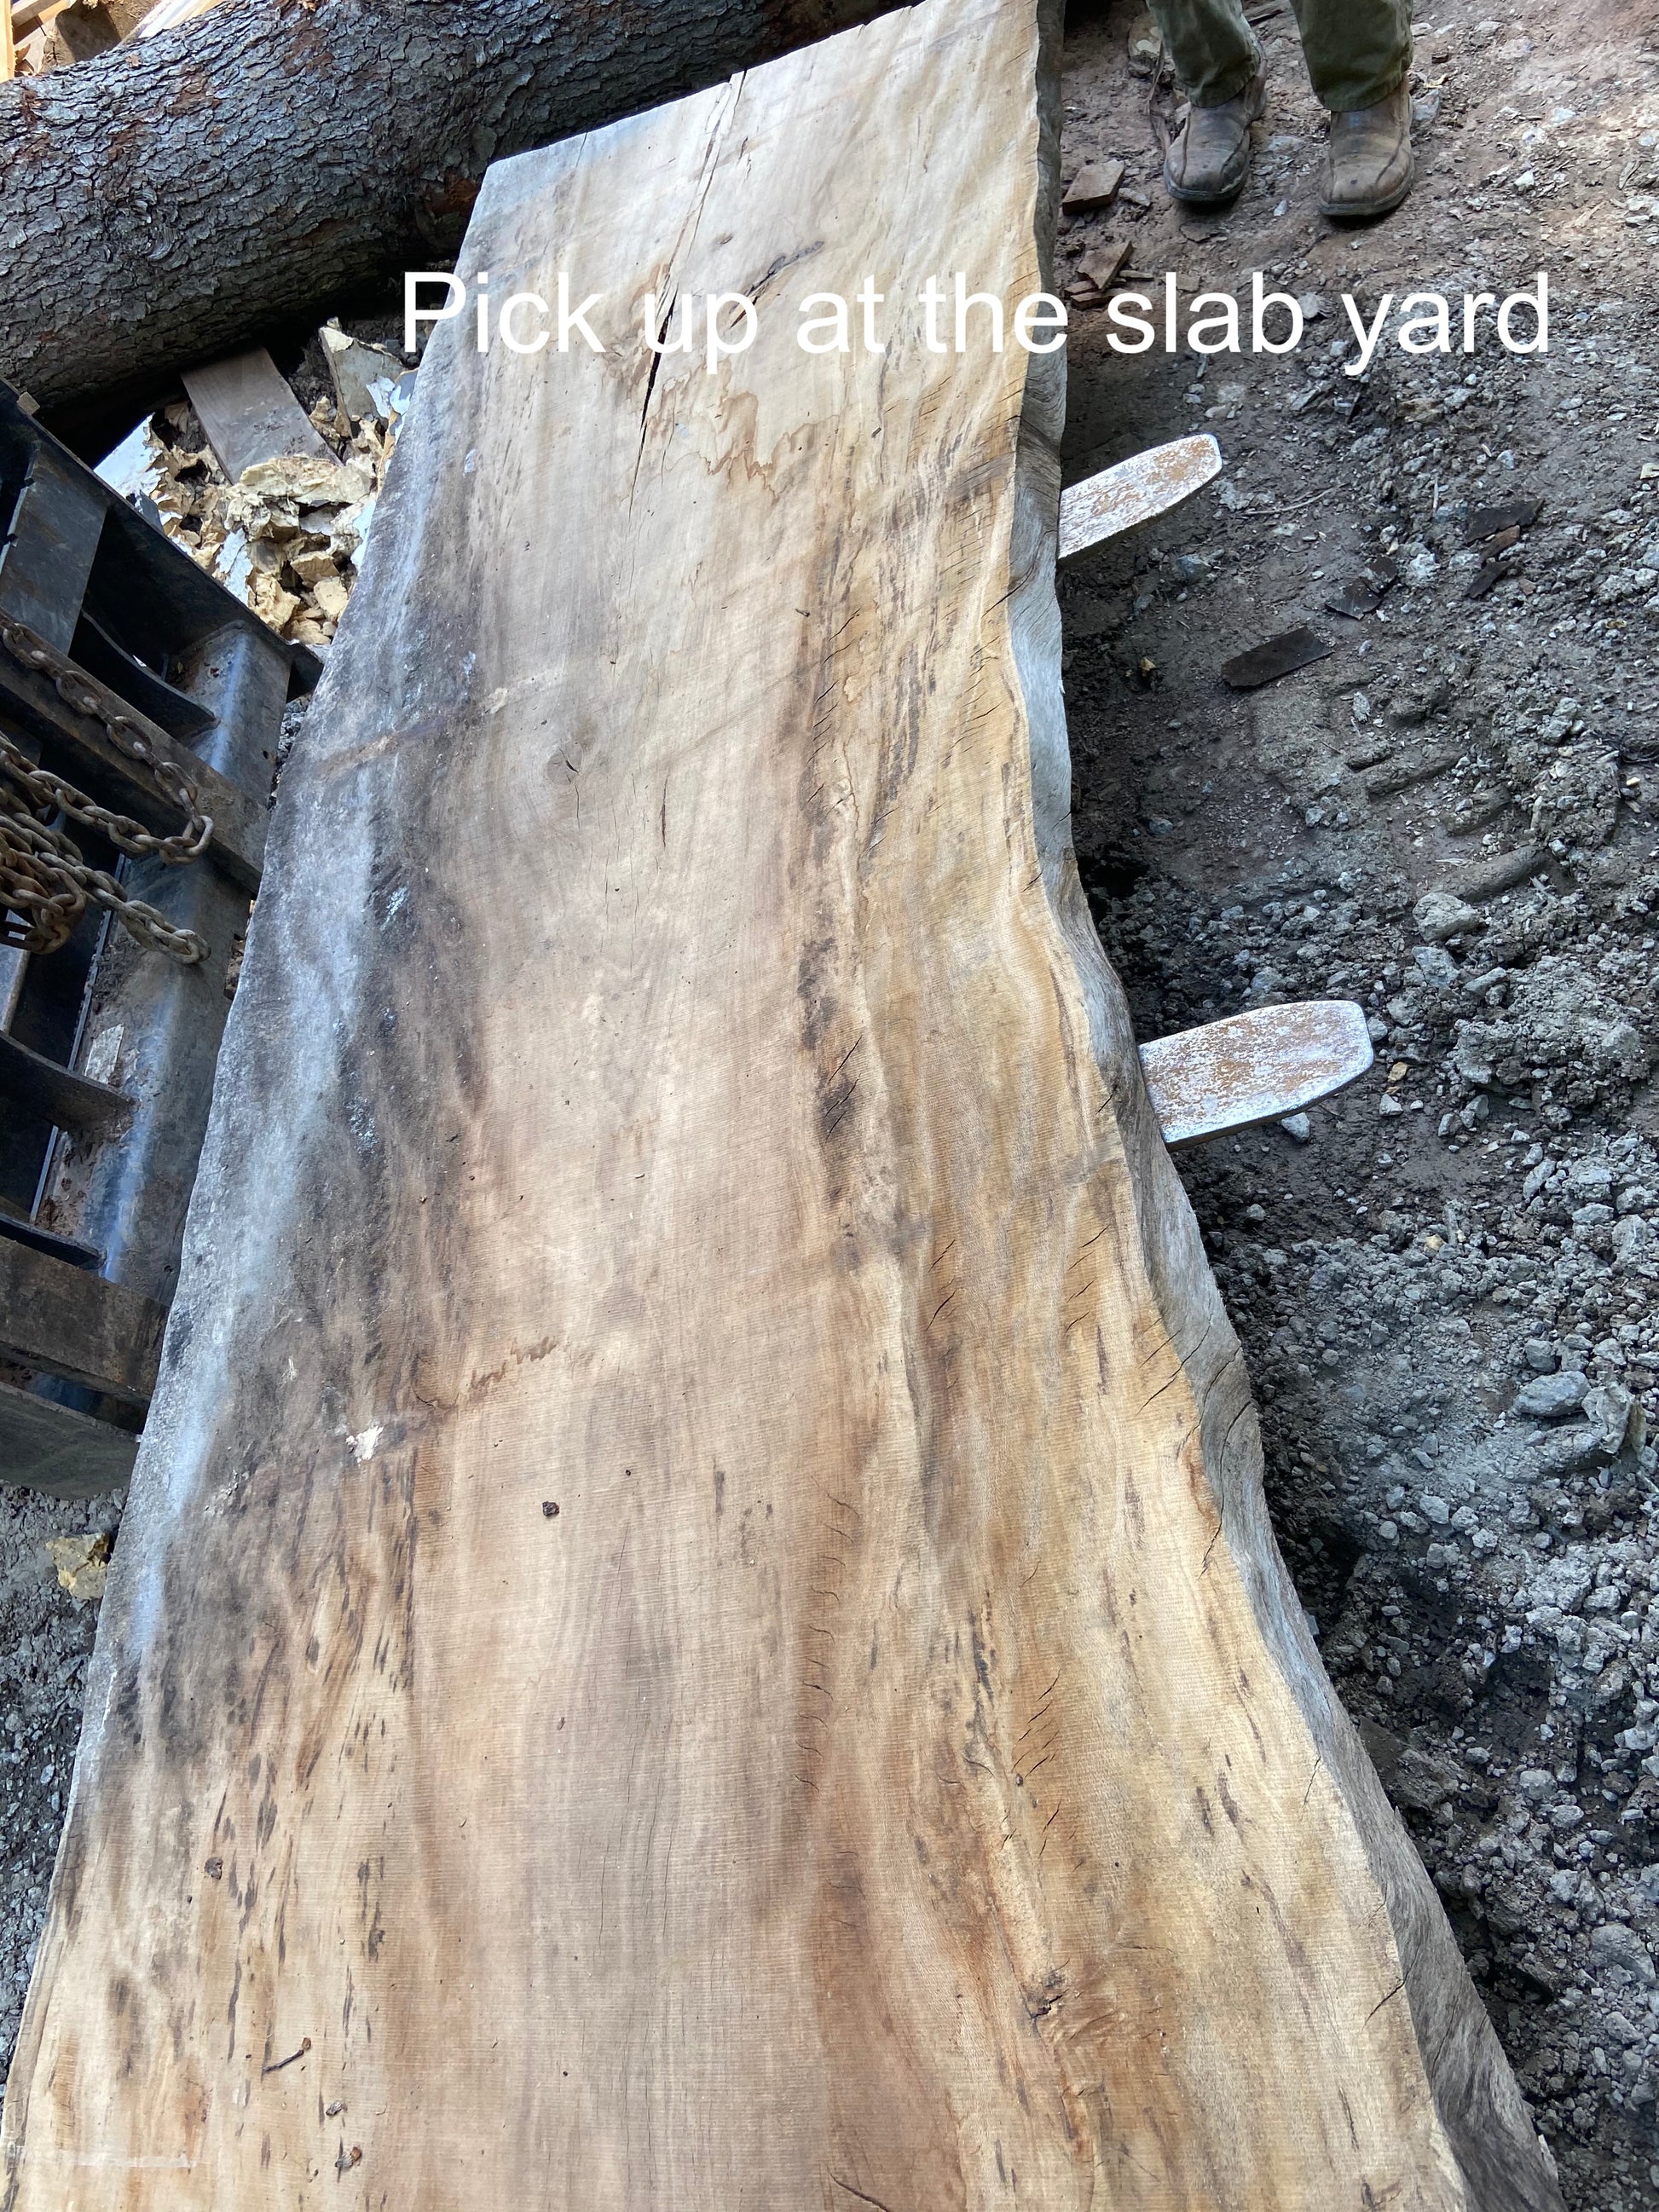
x: 696, y: 1628
x: 182, y: 198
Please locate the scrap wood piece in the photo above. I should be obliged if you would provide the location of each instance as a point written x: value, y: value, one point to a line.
x: 1489, y: 575
x: 1277, y: 656
x: 1099, y: 267
x: 249, y: 413
x: 1254, y: 1067
x: 1094, y: 186
x: 1489, y: 520
x: 1134, y: 491
x: 1365, y: 594
x: 364, y: 376
x: 82, y: 1564
x: 698, y: 1577
x: 1357, y: 598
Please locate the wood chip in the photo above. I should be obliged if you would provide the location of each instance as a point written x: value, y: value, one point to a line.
x: 1363, y: 594
x: 1095, y: 186
x: 1490, y: 572
x: 1101, y: 265
x: 1517, y: 515
x: 1278, y: 656
x: 81, y: 1563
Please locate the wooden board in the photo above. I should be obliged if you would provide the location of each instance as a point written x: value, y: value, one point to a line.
x: 250, y: 413
x: 1134, y: 491
x: 695, y: 1628
x: 67, y: 1322
x: 49, y: 1447
x: 1253, y: 1067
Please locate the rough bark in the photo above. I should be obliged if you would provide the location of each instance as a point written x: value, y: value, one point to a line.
x: 175, y: 200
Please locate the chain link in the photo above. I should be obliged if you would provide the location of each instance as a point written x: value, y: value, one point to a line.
x: 126, y: 735
x: 45, y: 885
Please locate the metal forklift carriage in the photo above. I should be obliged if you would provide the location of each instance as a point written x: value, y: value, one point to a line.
x: 140, y: 710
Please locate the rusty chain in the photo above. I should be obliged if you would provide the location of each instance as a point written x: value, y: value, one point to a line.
x: 125, y: 734
x: 46, y: 885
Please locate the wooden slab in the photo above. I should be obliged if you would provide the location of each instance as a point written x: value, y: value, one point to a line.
x: 696, y: 1630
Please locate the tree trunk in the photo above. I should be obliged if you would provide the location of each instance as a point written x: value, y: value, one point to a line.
x: 696, y: 1628
x: 179, y: 197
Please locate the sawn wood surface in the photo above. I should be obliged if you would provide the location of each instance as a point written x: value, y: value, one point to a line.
x: 696, y: 1630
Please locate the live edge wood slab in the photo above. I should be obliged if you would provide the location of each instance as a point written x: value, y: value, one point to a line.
x: 695, y: 1628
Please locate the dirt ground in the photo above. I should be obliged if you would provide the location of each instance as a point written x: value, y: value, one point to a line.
x: 46, y: 1639
x: 1447, y: 1281
x: 1447, y: 1289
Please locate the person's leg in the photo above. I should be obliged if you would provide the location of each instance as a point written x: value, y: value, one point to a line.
x: 1358, y: 54
x: 1213, y: 49
x: 1218, y: 63
x: 1358, y: 51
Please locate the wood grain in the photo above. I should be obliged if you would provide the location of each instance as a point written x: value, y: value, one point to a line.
x: 675, y: 1082
x: 66, y: 1322
x: 249, y: 412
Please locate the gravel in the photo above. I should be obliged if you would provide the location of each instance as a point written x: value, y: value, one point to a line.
x: 46, y: 1636
x: 1448, y: 1292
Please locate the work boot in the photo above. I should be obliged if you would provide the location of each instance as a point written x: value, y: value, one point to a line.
x: 1368, y: 171
x: 1207, y: 164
